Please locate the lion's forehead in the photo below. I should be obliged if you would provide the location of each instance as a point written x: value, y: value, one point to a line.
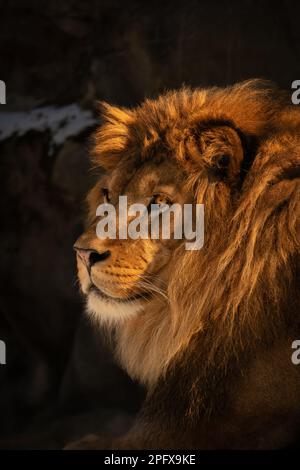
x: 146, y: 178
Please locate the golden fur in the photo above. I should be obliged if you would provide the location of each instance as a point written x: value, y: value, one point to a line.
x: 219, y: 312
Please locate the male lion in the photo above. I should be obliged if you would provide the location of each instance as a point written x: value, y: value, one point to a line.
x: 209, y: 332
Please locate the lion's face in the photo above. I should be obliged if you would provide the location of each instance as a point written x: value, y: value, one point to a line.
x: 170, y: 150
x: 120, y: 276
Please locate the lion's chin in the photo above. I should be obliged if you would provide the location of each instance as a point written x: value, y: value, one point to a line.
x: 109, y: 311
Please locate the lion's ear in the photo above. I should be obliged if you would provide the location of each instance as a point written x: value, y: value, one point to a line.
x: 220, y: 152
x: 223, y: 153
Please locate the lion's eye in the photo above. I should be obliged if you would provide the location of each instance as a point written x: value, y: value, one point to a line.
x: 161, y: 200
x: 105, y: 194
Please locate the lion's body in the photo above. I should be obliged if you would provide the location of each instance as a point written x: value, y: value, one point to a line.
x: 216, y: 355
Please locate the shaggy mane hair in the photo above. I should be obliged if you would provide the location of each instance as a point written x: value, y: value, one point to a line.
x: 239, y: 293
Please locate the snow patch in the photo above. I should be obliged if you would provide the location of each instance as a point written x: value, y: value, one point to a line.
x: 63, y: 122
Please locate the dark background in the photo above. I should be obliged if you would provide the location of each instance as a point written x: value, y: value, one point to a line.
x: 60, y: 381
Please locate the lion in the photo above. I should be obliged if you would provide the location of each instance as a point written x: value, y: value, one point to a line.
x: 208, y: 332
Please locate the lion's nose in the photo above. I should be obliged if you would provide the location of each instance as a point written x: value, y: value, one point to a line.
x: 91, y: 257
